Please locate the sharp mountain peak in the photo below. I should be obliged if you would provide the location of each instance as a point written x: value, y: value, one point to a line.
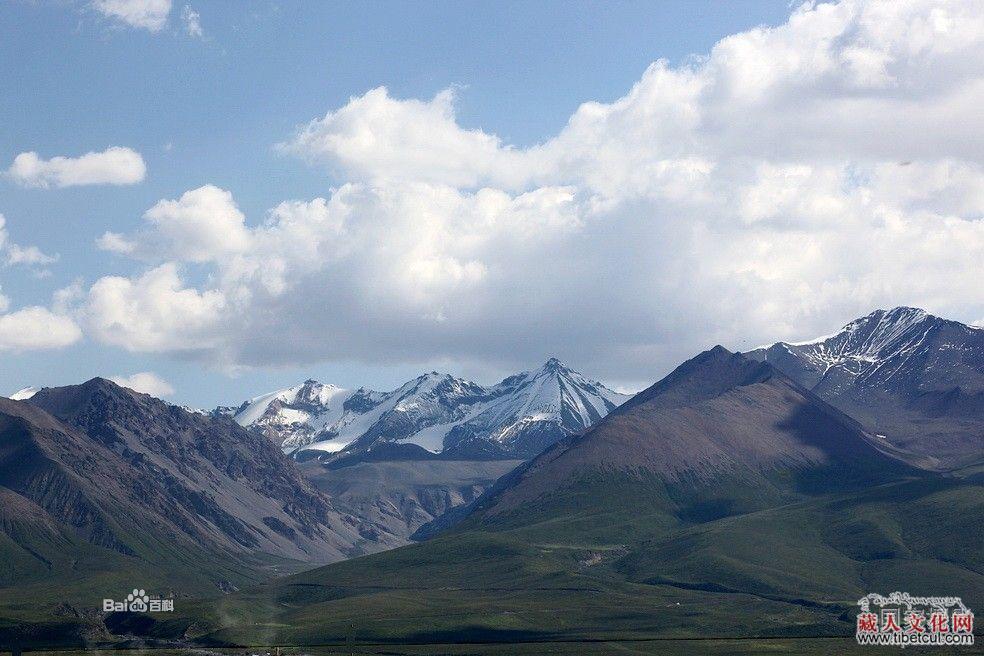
x: 437, y: 412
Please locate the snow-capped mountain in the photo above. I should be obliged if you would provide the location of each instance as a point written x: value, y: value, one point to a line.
x: 528, y: 412
x: 913, y: 377
x: 436, y: 412
x: 24, y: 393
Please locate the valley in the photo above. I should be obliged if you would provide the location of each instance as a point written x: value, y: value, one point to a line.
x: 735, y: 498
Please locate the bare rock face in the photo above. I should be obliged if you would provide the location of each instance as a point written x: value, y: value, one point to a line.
x: 400, y: 496
x: 100, y: 466
x: 911, y: 377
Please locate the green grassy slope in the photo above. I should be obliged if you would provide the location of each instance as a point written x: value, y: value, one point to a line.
x: 52, y: 585
x: 915, y: 536
x: 736, y: 509
x: 796, y: 570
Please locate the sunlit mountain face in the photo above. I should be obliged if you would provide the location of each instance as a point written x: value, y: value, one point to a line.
x: 912, y: 378
x: 434, y: 413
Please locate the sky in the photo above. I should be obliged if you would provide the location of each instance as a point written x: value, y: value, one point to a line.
x: 210, y: 200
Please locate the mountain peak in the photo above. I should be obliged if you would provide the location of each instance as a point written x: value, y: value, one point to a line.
x: 704, y: 376
x: 913, y: 316
x: 908, y: 309
x: 900, y: 314
x: 187, y: 478
x: 100, y: 383
x: 437, y: 412
x: 430, y: 375
x: 24, y: 393
x: 901, y: 370
x: 90, y: 389
x: 553, y: 363
x: 95, y: 397
x: 713, y: 355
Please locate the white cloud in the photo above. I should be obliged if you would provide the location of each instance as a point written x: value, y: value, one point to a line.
x: 154, y: 312
x: 66, y: 299
x: 115, y: 166
x: 146, y: 382
x: 33, y: 328
x: 203, y: 225
x: 144, y: 14
x: 378, y: 137
x: 794, y: 178
x: 114, y: 242
x: 28, y: 255
x: 192, y: 22
x: 12, y: 254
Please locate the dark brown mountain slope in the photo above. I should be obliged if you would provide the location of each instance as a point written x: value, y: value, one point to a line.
x: 721, y: 429
x: 121, y: 482
x: 914, y: 378
x: 197, y: 478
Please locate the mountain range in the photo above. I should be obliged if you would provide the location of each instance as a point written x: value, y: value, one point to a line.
x: 742, y: 495
x: 432, y: 414
x: 720, y: 420
x: 104, y: 487
x: 725, y: 500
x: 913, y: 378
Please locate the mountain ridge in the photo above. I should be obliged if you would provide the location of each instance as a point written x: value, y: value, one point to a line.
x: 433, y: 413
x: 904, y: 373
x: 201, y: 479
x: 717, y: 415
x: 727, y: 492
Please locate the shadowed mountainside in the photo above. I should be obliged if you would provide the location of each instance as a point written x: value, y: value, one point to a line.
x: 105, y: 489
x: 914, y: 378
x: 724, y: 494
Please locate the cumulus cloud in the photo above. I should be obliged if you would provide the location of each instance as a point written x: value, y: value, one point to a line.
x: 203, y: 225
x: 378, y: 137
x: 154, y: 312
x: 114, y: 242
x: 34, y: 328
x: 115, y: 166
x: 146, y: 382
x: 793, y: 178
x: 143, y: 14
x: 13, y: 254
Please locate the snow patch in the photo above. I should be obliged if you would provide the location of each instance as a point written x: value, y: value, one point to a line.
x: 24, y: 393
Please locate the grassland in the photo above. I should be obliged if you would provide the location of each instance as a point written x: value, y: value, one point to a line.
x: 792, y: 571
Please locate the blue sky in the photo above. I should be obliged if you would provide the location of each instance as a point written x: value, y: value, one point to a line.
x: 210, y: 109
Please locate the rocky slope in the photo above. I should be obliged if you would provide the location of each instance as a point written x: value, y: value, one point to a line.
x: 914, y: 378
x: 723, y: 494
x: 722, y: 434
x: 398, y: 497
x: 100, y: 467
